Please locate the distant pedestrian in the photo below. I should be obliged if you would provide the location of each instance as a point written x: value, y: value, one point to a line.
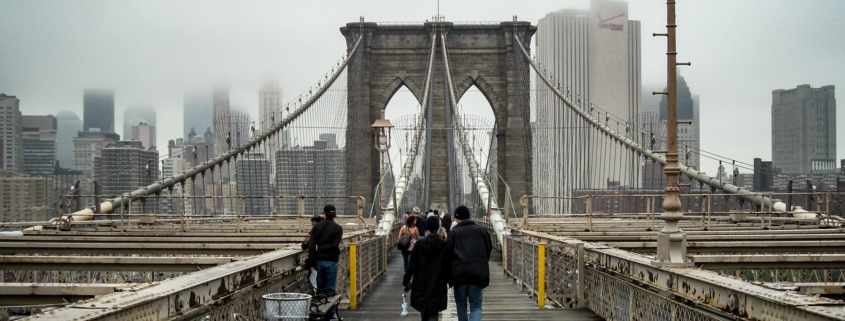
x: 324, y: 251
x: 405, y: 217
x: 420, y: 221
x: 429, y: 269
x: 410, y: 228
x: 314, y: 220
x: 470, y: 249
x: 447, y: 222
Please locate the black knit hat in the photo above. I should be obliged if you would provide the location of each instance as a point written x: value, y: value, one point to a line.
x: 432, y: 223
x: 462, y: 213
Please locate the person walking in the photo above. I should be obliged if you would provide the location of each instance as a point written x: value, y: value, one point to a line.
x: 324, y: 251
x: 429, y: 269
x: 470, y: 248
x: 410, y: 228
x: 420, y: 221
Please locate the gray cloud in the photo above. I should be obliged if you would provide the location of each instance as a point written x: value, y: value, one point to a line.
x: 151, y: 52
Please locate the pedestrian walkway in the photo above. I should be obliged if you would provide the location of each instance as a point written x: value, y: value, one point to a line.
x: 503, y: 300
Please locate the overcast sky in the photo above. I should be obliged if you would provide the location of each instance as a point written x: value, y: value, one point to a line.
x: 151, y: 52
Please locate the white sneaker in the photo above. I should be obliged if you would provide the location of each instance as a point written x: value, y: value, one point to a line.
x: 404, y: 307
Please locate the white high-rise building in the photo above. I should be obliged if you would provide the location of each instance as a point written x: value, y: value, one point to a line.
x: 269, y: 110
x: 269, y: 104
x: 595, y: 56
x: 146, y: 133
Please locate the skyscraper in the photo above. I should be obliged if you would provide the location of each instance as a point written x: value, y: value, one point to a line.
x: 311, y: 171
x: 595, y: 54
x: 11, y: 133
x: 269, y: 104
x: 39, y: 145
x: 98, y: 109
x: 198, y: 113
x: 135, y: 115
x: 220, y: 101
x: 688, y: 127
x: 136, y: 165
x: 269, y: 111
x: 87, y: 146
x: 253, y: 176
x: 804, y: 130
x: 68, y: 125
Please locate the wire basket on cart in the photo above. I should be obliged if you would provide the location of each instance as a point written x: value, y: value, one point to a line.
x: 286, y: 306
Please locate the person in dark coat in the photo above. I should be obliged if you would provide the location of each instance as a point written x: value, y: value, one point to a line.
x: 420, y: 221
x: 429, y: 268
x: 470, y: 248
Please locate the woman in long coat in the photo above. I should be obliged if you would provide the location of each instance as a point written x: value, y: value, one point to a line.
x: 429, y: 268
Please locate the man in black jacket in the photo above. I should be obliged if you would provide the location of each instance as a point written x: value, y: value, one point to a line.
x: 324, y: 249
x: 470, y: 247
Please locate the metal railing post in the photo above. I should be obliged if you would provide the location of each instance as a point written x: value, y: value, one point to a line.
x: 301, y: 211
x: 541, y: 275
x: 589, y: 213
x: 581, y: 297
x: 524, y: 201
x: 353, y: 275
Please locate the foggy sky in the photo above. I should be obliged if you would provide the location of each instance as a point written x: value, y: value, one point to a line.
x: 152, y: 52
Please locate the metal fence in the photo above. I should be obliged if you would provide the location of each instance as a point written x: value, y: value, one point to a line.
x: 547, y: 271
x: 616, y: 299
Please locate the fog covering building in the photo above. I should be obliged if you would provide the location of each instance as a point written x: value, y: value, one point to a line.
x: 68, y: 125
x: 198, y: 113
x: 136, y: 114
x: 309, y: 171
x: 689, y: 134
x: 98, y: 109
x: 804, y: 130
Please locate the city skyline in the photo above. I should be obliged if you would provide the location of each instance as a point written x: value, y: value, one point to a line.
x: 731, y: 108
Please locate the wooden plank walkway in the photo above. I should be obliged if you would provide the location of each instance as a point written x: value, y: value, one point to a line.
x: 503, y: 300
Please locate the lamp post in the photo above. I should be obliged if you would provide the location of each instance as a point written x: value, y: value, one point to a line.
x: 381, y: 136
x: 671, y: 240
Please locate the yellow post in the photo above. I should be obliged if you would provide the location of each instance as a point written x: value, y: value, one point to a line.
x: 353, y: 275
x: 541, y: 275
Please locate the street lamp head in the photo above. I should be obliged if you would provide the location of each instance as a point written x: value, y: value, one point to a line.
x: 381, y: 133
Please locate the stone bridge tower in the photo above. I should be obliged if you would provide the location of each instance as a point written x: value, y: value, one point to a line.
x: 484, y: 56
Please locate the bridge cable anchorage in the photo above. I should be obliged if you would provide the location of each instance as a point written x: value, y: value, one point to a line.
x: 756, y: 198
x: 389, y: 217
x: 482, y: 187
x: 241, y: 149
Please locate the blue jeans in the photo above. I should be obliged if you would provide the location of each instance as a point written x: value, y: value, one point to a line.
x: 406, y: 258
x: 327, y: 278
x: 326, y: 275
x: 473, y: 293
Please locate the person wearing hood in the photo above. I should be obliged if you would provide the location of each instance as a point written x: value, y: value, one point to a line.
x: 429, y: 269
